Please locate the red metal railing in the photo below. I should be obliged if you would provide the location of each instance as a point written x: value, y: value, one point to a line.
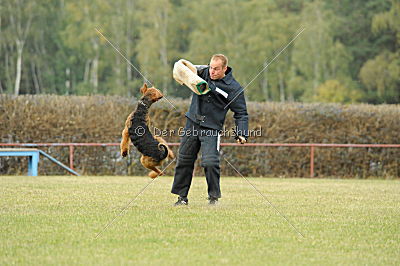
x: 312, y: 147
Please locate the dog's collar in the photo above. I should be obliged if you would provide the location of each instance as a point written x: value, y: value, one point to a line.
x: 143, y: 103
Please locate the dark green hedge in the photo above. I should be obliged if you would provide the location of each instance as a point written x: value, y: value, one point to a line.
x: 47, y: 118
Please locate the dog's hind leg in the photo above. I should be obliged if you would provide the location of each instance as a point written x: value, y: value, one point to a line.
x: 149, y: 163
x: 154, y: 174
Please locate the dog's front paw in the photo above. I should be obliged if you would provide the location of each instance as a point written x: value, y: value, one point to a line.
x: 124, y: 153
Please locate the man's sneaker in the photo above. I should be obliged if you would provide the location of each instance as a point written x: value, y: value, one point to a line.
x: 181, y: 201
x: 212, y: 201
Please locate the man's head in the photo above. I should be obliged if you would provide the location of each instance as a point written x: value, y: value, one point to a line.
x: 218, y: 66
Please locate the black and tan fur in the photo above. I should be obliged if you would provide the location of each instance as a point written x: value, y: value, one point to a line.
x: 154, y: 149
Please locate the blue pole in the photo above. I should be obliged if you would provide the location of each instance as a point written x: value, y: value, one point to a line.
x: 35, y: 162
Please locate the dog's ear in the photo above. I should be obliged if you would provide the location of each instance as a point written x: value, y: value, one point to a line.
x: 144, y: 88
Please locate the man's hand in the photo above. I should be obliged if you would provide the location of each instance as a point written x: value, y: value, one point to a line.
x: 241, y: 140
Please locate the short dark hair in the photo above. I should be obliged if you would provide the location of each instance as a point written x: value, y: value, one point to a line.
x: 221, y: 57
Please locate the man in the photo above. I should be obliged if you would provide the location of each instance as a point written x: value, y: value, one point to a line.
x: 205, y: 120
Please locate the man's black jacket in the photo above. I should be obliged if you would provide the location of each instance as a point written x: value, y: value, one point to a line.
x: 209, y: 110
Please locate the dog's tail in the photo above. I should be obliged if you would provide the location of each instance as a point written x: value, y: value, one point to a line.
x: 164, y: 150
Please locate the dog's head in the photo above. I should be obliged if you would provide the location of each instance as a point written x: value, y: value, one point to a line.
x: 151, y: 93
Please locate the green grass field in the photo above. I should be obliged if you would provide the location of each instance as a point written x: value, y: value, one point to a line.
x: 54, y: 220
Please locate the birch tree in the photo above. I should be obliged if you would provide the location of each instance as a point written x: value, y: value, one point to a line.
x: 20, y: 15
x: 80, y: 35
x: 318, y: 57
x: 380, y: 75
x: 153, y: 43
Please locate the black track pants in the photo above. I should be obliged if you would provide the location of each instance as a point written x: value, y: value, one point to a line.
x: 194, y: 138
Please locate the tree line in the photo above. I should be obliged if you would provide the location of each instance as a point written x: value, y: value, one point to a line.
x: 344, y: 51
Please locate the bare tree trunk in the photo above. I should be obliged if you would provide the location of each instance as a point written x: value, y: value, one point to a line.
x: 28, y: 84
x: 68, y: 80
x: 281, y: 85
x: 95, y: 66
x: 128, y: 68
x: 34, y: 78
x: 129, y: 8
x: 163, y: 15
x: 318, y: 60
x: 316, y: 75
x: 21, y: 34
x: 39, y: 77
x: 8, y: 77
x: 264, y: 83
x: 117, y: 70
x: 86, y: 73
x: 118, y: 66
x: 94, y: 78
x: 315, y: 68
x: 20, y: 46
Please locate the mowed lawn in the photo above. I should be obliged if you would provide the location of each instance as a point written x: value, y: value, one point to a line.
x: 55, y: 219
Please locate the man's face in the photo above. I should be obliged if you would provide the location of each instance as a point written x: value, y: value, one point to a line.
x: 216, y: 69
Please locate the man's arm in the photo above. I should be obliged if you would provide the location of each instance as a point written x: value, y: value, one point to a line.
x: 200, y: 70
x: 239, y: 109
x: 200, y: 67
